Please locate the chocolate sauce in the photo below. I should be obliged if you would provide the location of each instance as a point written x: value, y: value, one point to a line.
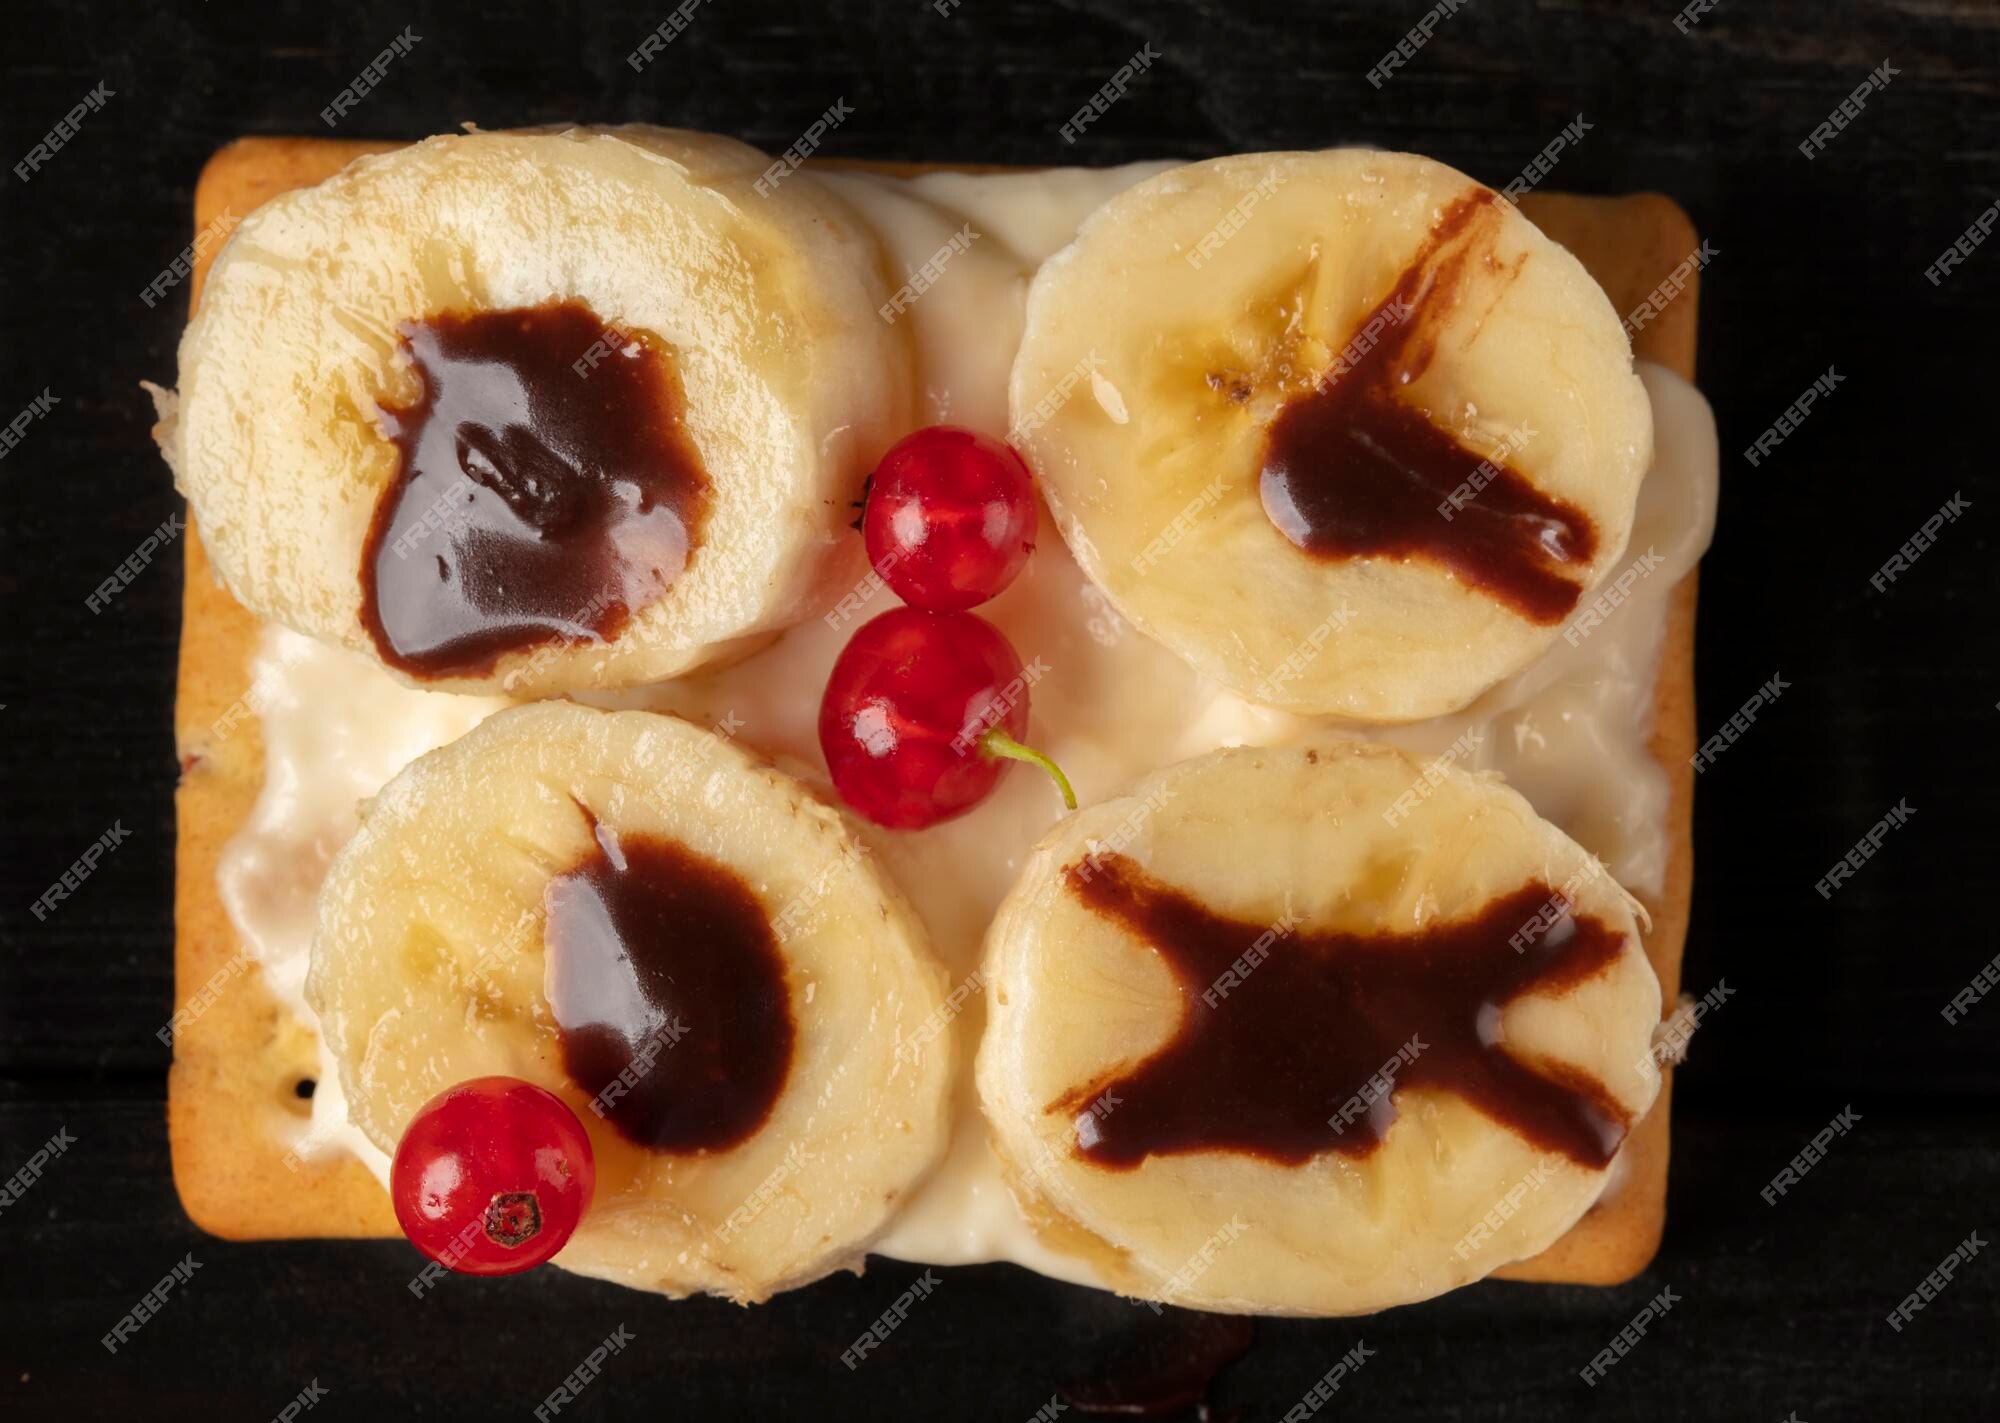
x: 1352, y: 468
x: 1171, y: 1369
x: 1266, y: 1063
x: 667, y: 984
x: 545, y: 489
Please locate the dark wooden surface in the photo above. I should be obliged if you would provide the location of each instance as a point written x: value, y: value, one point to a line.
x: 1895, y: 695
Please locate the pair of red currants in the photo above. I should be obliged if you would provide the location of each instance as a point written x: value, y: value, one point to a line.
x: 928, y: 703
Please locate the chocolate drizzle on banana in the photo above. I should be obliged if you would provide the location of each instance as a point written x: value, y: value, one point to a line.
x: 545, y: 491
x: 1352, y: 468
x: 1268, y: 1062
x: 668, y: 986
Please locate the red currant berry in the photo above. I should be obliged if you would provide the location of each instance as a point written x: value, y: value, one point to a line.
x: 921, y: 713
x: 492, y: 1176
x: 950, y: 518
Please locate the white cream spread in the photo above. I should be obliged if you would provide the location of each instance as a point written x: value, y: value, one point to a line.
x: 1569, y: 733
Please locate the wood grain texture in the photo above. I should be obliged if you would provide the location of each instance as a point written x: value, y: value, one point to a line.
x: 1821, y: 264
x: 1755, y: 1335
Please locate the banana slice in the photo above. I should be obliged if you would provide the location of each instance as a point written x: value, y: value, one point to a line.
x: 539, y: 411
x: 1342, y: 429
x: 1312, y: 1031
x: 694, y: 953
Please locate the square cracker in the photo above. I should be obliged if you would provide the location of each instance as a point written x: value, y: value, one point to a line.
x: 238, y: 1065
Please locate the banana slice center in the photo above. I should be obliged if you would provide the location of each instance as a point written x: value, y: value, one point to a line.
x: 546, y: 489
x: 1354, y: 467
x: 1292, y: 1043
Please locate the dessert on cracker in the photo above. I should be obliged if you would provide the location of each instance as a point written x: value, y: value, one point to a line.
x: 1127, y: 721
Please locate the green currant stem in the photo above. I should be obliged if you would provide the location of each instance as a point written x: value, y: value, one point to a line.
x: 998, y: 743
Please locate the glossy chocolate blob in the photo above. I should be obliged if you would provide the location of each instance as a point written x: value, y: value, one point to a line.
x: 666, y: 981
x: 1273, y: 1061
x: 546, y: 489
x: 1352, y: 469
